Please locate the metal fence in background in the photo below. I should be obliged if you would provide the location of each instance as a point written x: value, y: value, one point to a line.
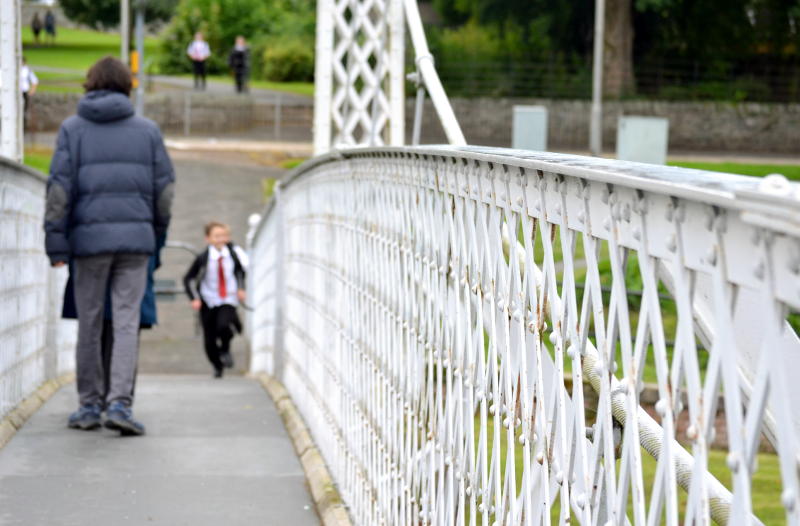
x: 439, y: 318
x: 35, y: 344
x: 275, y: 117
x: 667, y: 80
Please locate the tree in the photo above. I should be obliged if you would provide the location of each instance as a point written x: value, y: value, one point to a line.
x: 104, y: 14
x: 618, y: 76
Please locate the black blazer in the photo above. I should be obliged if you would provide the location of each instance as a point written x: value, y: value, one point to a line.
x: 197, y: 273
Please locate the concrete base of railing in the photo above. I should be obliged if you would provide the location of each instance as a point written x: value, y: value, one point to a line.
x: 17, y: 418
x: 326, y: 497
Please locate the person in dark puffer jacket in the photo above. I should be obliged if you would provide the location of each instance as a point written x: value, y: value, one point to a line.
x: 109, y: 197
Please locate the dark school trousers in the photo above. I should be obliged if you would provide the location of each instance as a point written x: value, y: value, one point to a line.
x: 199, y: 74
x: 218, y: 324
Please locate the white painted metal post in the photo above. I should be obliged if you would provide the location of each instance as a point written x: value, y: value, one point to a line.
x: 323, y: 77
x: 10, y: 95
x: 430, y: 78
x: 596, y: 126
x: 397, y: 79
x: 125, y: 31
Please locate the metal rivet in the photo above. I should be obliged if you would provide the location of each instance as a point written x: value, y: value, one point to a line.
x: 711, y: 256
x: 691, y: 432
x: 788, y: 499
x: 661, y: 407
x: 733, y: 461
x: 758, y: 271
x: 672, y: 243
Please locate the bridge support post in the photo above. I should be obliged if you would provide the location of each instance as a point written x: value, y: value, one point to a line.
x: 323, y: 77
x: 10, y: 95
x: 280, y: 286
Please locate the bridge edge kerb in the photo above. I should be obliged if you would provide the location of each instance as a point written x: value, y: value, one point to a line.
x: 327, y: 500
x: 17, y: 417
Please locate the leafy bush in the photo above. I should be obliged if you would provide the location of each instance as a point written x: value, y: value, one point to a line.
x: 290, y: 59
x: 220, y: 21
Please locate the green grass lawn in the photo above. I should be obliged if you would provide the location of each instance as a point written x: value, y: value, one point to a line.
x: 766, y: 482
x: 296, y: 88
x: 77, y: 49
x: 759, y: 170
x: 38, y: 159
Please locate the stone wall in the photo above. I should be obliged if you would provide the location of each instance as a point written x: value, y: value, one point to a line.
x: 208, y: 114
x: 693, y: 126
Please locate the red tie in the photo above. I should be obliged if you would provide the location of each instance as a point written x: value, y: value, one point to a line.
x: 223, y: 290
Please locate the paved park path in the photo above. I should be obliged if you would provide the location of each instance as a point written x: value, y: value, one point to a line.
x: 216, y: 451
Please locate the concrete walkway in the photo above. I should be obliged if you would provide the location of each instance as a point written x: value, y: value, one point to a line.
x: 216, y: 453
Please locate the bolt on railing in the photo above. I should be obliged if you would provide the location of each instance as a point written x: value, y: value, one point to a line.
x: 439, y: 318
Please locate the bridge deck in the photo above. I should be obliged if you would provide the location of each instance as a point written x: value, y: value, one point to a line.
x: 216, y: 453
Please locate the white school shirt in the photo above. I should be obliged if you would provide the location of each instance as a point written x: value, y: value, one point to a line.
x: 199, y: 47
x: 27, y: 78
x: 209, y: 287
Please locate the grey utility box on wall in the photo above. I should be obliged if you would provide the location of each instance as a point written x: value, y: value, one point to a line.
x: 642, y: 139
x: 529, y: 129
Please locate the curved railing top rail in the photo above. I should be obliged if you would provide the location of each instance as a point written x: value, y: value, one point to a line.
x: 5, y: 162
x: 774, y: 196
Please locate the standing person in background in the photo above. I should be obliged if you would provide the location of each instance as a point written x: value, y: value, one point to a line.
x: 27, y: 84
x: 50, y: 27
x: 239, y: 62
x: 109, y: 200
x: 199, y: 52
x: 36, y: 27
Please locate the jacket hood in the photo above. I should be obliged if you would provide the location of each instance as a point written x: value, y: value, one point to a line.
x: 105, y: 106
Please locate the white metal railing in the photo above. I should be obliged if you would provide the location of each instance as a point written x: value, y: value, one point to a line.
x: 35, y: 344
x: 457, y: 329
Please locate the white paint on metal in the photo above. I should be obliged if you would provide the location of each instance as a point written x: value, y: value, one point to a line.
x: 459, y: 333
x: 35, y: 344
x: 596, y: 120
x: 323, y: 76
x: 427, y: 70
x: 10, y: 94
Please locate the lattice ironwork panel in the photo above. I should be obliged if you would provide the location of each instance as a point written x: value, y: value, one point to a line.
x: 479, y: 338
x: 360, y: 73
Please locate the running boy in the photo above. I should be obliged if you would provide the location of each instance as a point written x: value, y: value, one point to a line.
x: 215, y: 286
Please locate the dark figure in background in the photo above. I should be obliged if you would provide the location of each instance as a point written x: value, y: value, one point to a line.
x: 109, y: 200
x: 148, y: 317
x: 50, y: 27
x: 215, y: 285
x: 199, y: 52
x: 36, y: 27
x: 239, y: 62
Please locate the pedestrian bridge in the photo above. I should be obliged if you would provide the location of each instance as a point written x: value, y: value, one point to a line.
x: 490, y: 336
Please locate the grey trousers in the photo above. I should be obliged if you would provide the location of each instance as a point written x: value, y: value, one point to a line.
x: 126, y: 276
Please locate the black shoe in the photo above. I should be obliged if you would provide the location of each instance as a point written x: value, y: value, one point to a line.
x: 227, y: 359
x: 86, y: 418
x: 218, y: 373
x: 119, y: 417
